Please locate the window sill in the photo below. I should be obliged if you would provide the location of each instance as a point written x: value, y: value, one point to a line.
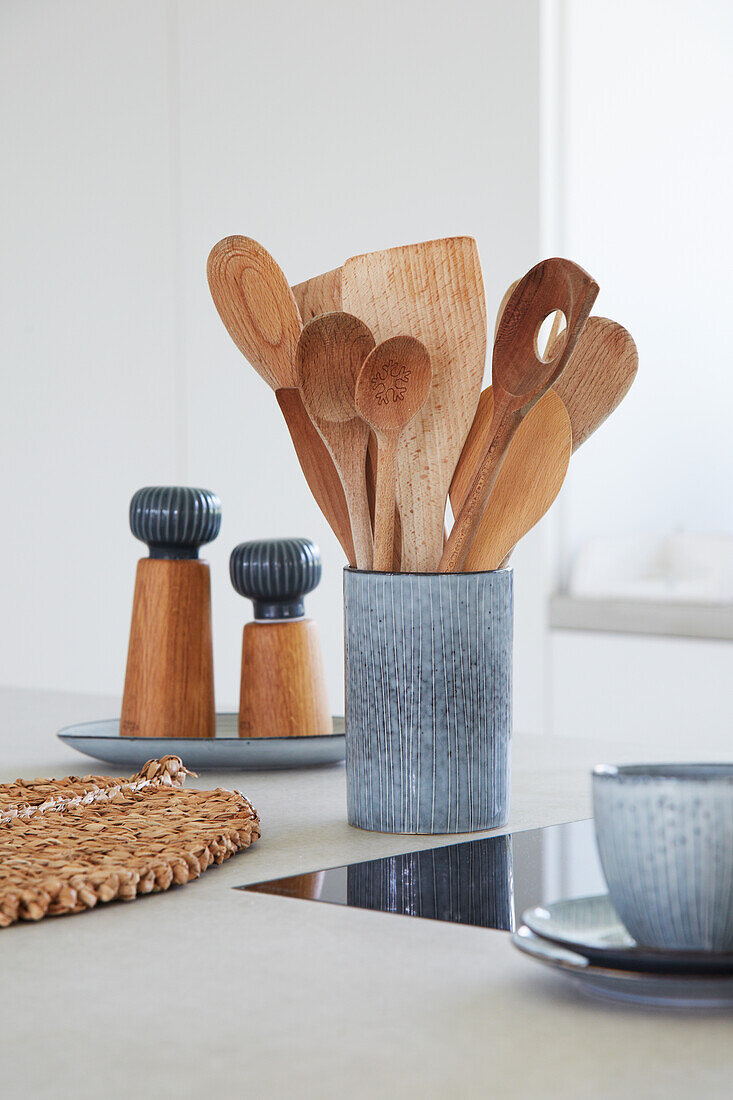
x: 679, y: 620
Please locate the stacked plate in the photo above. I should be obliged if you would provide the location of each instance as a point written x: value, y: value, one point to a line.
x: 584, y: 939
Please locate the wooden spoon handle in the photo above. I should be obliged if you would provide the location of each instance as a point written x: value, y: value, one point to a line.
x: 318, y: 468
x: 384, y: 508
x: 503, y: 426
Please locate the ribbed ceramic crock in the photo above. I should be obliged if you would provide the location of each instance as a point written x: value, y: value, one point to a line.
x: 428, y: 700
x: 665, y: 839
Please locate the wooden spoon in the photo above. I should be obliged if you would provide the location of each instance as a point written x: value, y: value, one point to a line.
x: 321, y: 294
x: 434, y: 291
x: 330, y: 354
x: 520, y: 377
x: 392, y: 387
x: 258, y: 309
x: 598, y: 376
x: 528, y: 482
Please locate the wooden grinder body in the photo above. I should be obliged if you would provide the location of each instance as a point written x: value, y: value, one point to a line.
x: 283, y: 692
x: 169, y: 682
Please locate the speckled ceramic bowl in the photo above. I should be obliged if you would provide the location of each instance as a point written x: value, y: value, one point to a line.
x: 665, y: 838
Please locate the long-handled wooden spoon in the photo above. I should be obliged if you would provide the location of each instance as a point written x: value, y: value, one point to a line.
x: 598, y: 376
x: 258, y: 309
x: 520, y: 376
x: 434, y: 291
x: 392, y: 387
x: 329, y: 357
x: 528, y: 482
x: 320, y: 294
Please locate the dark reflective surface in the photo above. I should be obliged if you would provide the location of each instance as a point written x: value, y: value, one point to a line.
x: 482, y: 882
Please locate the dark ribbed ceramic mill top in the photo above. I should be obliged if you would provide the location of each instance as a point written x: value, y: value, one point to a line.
x: 276, y: 574
x: 174, y: 520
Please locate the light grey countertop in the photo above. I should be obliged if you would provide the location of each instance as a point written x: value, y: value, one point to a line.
x: 208, y: 991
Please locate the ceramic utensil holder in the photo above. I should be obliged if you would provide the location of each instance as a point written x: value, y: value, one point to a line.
x: 169, y: 682
x: 428, y: 700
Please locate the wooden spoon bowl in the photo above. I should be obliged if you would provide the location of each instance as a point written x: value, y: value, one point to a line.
x: 392, y: 388
x: 330, y: 354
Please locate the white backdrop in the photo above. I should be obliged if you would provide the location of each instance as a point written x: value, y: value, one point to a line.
x: 135, y: 135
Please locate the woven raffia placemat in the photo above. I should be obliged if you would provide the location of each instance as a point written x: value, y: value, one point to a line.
x: 66, y: 844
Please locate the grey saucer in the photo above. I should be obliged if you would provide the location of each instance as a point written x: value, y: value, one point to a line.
x: 592, y: 928
x: 692, y: 991
x: 226, y: 750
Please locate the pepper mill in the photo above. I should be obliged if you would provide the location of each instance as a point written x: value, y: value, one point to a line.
x: 283, y: 691
x: 169, y: 683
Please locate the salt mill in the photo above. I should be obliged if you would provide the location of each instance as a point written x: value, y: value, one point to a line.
x: 283, y: 689
x: 169, y: 683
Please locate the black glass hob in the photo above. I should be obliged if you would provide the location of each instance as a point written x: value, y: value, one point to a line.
x: 487, y: 882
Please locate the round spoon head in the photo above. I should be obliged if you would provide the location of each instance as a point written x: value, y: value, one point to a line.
x: 255, y: 302
x: 394, y: 384
x: 330, y: 354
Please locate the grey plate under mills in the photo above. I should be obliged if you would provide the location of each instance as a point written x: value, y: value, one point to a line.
x: 102, y: 741
x: 632, y: 986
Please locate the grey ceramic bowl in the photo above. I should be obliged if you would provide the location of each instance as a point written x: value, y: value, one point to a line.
x: 665, y: 839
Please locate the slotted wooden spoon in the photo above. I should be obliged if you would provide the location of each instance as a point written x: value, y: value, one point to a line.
x: 433, y: 291
x: 254, y: 300
x: 330, y: 354
x: 520, y: 377
x: 528, y: 481
x: 392, y: 387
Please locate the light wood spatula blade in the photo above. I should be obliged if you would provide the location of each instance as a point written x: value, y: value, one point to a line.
x: 434, y: 292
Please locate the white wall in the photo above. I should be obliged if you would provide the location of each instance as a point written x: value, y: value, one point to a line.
x: 645, y: 179
x: 135, y: 136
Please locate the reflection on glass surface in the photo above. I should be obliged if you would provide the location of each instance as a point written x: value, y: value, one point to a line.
x: 487, y: 882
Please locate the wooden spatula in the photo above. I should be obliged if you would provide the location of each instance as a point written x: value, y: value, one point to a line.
x: 433, y: 291
x: 258, y: 309
x: 392, y: 387
x: 528, y: 482
x: 329, y: 357
x: 520, y: 377
x: 321, y: 294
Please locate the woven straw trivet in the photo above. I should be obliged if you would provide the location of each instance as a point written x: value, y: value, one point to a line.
x: 66, y: 844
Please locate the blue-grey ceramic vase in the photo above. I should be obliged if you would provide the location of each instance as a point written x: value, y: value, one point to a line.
x: 428, y: 700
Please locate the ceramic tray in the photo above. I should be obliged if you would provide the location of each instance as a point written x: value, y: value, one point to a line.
x: 592, y: 928
x: 226, y: 750
x: 633, y: 986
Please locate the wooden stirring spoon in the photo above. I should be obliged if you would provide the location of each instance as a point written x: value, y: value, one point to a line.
x: 320, y: 294
x: 260, y: 314
x: 329, y: 357
x: 392, y: 387
x: 520, y: 377
x: 527, y: 484
x: 598, y: 376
